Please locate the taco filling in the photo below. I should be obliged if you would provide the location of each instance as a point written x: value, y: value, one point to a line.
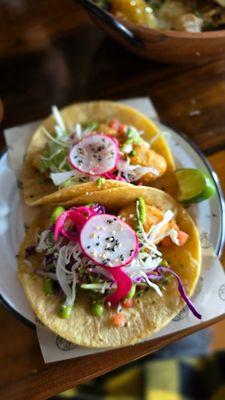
x: 95, y: 151
x: 92, y: 146
x: 112, y: 258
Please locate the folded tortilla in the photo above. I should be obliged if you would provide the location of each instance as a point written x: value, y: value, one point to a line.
x: 149, y: 313
x: 41, y: 191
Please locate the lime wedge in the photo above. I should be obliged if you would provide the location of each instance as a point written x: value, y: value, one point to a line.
x: 194, y: 185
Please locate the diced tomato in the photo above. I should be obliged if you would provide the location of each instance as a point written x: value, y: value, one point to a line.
x: 127, y: 303
x: 182, y: 237
x: 119, y: 319
x: 122, y: 129
x: 114, y: 124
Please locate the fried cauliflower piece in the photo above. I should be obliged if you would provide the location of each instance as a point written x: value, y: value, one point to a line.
x: 153, y: 217
x: 148, y: 158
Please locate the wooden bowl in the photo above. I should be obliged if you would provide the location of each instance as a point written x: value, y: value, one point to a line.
x: 157, y: 44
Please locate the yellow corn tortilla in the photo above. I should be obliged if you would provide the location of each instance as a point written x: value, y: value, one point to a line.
x: 149, y: 313
x: 39, y: 191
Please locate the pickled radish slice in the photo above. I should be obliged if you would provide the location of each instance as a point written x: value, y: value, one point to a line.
x: 108, y: 241
x: 69, y: 223
x: 94, y: 154
x: 123, y: 286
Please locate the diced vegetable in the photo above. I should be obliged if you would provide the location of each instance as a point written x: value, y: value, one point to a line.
x: 48, y: 286
x: 122, y: 129
x: 114, y: 124
x: 127, y: 303
x: 56, y: 213
x: 182, y: 237
x: 65, y: 311
x: 142, y: 210
x: 132, y: 291
x: 100, y: 182
x: 97, y: 309
x: 119, y: 319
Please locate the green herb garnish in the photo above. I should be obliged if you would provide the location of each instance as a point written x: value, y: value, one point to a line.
x: 100, y: 182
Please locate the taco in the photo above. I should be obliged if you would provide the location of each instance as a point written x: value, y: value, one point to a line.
x: 91, y: 146
x: 111, y: 273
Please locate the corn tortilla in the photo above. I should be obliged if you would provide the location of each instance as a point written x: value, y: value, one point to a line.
x: 41, y: 191
x: 149, y: 314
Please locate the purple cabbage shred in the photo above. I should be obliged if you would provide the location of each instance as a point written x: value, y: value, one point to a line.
x: 161, y: 270
x: 30, y: 251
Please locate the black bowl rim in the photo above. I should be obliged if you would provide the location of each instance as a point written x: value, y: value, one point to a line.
x: 163, y: 32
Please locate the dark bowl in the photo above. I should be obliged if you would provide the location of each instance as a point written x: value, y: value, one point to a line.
x: 157, y: 44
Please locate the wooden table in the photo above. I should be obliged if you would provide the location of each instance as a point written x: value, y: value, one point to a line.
x: 54, y: 55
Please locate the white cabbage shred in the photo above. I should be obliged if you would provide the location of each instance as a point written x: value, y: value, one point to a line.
x: 133, y: 172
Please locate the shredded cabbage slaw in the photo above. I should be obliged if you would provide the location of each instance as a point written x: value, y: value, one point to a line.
x: 55, y: 160
x: 67, y: 265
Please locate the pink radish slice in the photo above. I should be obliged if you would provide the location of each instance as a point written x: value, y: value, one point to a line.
x: 94, y: 154
x: 73, y: 217
x: 108, y: 241
x: 123, y: 283
x: 113, y: 176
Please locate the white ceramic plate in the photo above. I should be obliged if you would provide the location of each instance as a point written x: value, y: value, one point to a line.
x: 209, y: 214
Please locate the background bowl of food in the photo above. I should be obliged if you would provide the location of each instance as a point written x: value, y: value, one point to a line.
x: 177, y: 31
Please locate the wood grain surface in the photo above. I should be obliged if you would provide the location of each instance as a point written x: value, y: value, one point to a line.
x: 175, y: 47
x: 55, y: 55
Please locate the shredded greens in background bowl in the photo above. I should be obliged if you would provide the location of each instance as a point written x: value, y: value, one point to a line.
x: 180, y: 15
